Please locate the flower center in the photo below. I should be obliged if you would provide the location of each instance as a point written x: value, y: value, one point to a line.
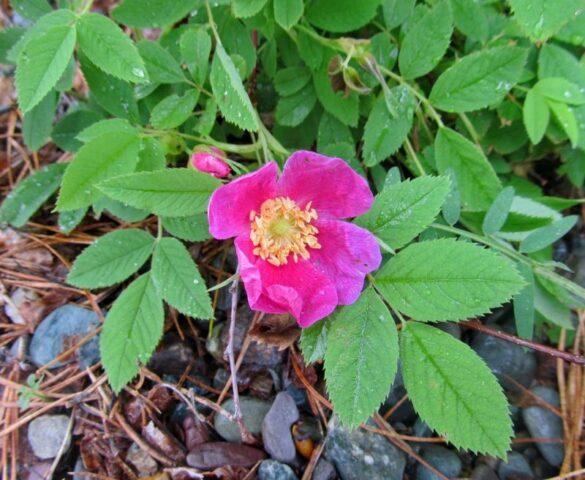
x: 281, y: 229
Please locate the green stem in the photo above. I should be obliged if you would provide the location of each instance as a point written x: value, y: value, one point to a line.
x: 414, y: 156
x: 470, y: 128
x: 424, y: 100
x: 212, y: 22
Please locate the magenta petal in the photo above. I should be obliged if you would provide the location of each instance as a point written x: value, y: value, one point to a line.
x: 335, y: 189
x: 295, y: 288
x: 347, y: 254
x: 231, y: 204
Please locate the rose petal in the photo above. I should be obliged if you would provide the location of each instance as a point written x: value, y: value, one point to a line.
x: 296, y: 288
x: 231, y: 204
x: 347, y: 254
x: 330, y: 183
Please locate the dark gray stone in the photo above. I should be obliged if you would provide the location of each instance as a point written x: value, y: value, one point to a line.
x: 360, y: 454
x: 405, y: 412
x: 543, y: 423
x: 515, y: 468
x: 173, y: 356
x: 483, y: 472
x: 62, y: 329
x: 421, y: 429
x: 46, y: 435
x: 253, y: 413
x: 273, y: 470
x: 506, y: 360
x: 324, y: 471
x: 444, y: 460
x: 276, y: 428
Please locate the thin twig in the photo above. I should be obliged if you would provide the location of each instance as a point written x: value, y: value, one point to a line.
x: 566, y: 356
x: 245, y: 434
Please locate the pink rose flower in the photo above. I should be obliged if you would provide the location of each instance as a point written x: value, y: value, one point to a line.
x: 295, y: 253
x: 211, y: 162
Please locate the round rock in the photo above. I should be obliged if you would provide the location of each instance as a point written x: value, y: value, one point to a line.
x: 516, y: 467
x: 444, y: 460
x: 359, y: 454
x: 542, y: 423
x: 46, y: 435
x: 276, y: 428
x: 273, y: 470
x: 506, y: 359
x: 62, y: 329
x: 253, y: 413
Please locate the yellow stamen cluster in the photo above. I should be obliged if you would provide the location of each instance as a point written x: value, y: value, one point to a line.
x: 281, y: 229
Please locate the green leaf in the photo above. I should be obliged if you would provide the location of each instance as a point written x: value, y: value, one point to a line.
x: 28, y: 196
x: 31, y: 9
x: 290, y: 80
x: 341, y: 16
x: 476, y: 179
x: 8, y: 38
x: 566, y: 117
x: 41, y: 63
x: 194, y: 228
x: 467, y: 16
x: 62, y: 17
x: 544, y: 236
x: 454, y: 391
x: 344, y: 108
x: 151, y: 156
x: 247, y: 8
x: 107, y: 156
x: 447, y: 280
x: 112, y: 94
x: 66, y: 130
x: 207, y: 120
x: 176, y: 192
x: 131, y: 332
x: 498, y: 212
x: 106, y: 46
x: 111, y: 259
x: 479, y: 80
x: 174, y: 110
x: 332, y: 131
x: 361, y: 358
x: 574, y: 166
x: 388, y: 125
x: 160, y: 64
x: 111, y: 125
x: 397, y: 11
x: 310, y: 50
x: 555, y: 61
x: 524, y: 303
x: 178, y: 280
x: 540, y: 19
x: 195, y: 49
x: 70, y: 219
x: 152, y: 13
x: 536, y: 115
x: 292, y: 110
x: 551, y: 308
x: 560, y: 90
x: 426, y: 41
x: 451, y: 208
x: 314, y: 341
x: 38, y: 122
x: 231, y: 97
x: 288, y: 12
x: 403, y: 210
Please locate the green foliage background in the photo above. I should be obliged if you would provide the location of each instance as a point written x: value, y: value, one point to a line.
x: 470, y: 98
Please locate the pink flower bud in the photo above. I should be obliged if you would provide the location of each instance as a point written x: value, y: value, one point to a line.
x: 211, y: 160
